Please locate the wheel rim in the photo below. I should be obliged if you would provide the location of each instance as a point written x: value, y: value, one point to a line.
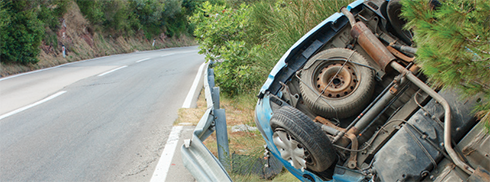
x: 291, y: 150
x: 340, y: 83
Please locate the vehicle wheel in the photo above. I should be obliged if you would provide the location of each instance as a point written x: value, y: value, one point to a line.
x: 393, y: 10
x: 300, y: 141
x: 333, y: 95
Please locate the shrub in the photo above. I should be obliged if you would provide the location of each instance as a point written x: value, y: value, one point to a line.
x: 21, y: 35
x: 454, y: 45
x: 92, y: 10
x: 221, y: 33
x: 281, y: 23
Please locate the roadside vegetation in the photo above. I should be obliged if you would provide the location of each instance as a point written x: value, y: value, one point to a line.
x: 453, y: 43
x: 248, y: 37
x: 32, y: 32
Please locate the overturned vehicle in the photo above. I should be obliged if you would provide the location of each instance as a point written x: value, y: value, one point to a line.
x: 347, y: 103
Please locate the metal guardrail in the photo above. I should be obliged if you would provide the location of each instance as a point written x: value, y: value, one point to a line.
x: 198, y: 160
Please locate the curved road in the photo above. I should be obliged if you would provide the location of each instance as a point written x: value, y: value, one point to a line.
x: 105, y: 119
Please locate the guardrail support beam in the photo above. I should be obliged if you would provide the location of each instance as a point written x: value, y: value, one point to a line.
x: 211, y: 78
x: 215, y: 94
x: 203, y: 165
x: 222, y: 138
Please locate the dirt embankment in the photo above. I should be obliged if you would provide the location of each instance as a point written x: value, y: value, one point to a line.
x: 82, y: 42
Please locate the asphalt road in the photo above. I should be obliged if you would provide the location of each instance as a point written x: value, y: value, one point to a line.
x: 109, y: 120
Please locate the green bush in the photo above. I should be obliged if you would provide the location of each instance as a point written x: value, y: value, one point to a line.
x: 221, y: 33
x: 4, y: 22
x: 21, y: 35
x: 23, y: 26
x: 92, y: 10
x: 453, y: 43
x: 151, y: 17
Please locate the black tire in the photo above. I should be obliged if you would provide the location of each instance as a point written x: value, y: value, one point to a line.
x: 348, y: 93
x: 319, y: 153
x: 393, y: 9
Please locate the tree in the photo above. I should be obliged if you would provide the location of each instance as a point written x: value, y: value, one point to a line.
x: 92, y: 10
x: 20, y: 36
x: 453, y: 42
x: 221, y: 33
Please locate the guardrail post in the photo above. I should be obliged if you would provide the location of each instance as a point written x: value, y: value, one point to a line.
x: 203, y: 165
x: 211, y: 78
x: 222, y: 137
x: 215, y: 94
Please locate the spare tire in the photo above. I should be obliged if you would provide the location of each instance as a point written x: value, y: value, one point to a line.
x: 335, y: 88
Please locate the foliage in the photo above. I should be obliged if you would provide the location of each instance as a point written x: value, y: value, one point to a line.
x: 249, y: 39
x: 22, y: 34
x: 454, y: 45
x: 190, y: 6
x: 117, y: 17
x: 221, y: 33
x: 151, y: 17
x: 49, y: 12
x: 217, y: 25
x: 92, y: 10
x: 24, y: 24
x: 281, y: 23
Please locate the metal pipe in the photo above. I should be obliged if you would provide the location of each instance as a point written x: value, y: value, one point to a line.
x: 369, y: 42
x: 447, y: 115
x: 383, y: 111
x: 349, y: 16
x: 328, y: 129
x: 341, y: 134
x: 364, y: 121
x: 400, y: 55
x: 352, y: 162
x: 405, y: 48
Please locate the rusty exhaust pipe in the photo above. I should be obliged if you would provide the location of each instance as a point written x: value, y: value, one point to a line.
x: 369, y: 42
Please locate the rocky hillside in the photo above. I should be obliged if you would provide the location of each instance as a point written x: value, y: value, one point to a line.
x: 81, y: 38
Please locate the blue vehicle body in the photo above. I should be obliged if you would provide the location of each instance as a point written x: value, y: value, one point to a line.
x: 428, y: 159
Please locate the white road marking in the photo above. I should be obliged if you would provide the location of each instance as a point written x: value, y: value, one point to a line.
x: 196, y: 51
x: 192, y: 91
x: 32, y: 105
x: 141, y: 60
x: 167, y: 54
x: 45, y: 69
x: 113, y: 70
x: 160, y: 173
x: 66, y: 64
x: 30, y: 72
